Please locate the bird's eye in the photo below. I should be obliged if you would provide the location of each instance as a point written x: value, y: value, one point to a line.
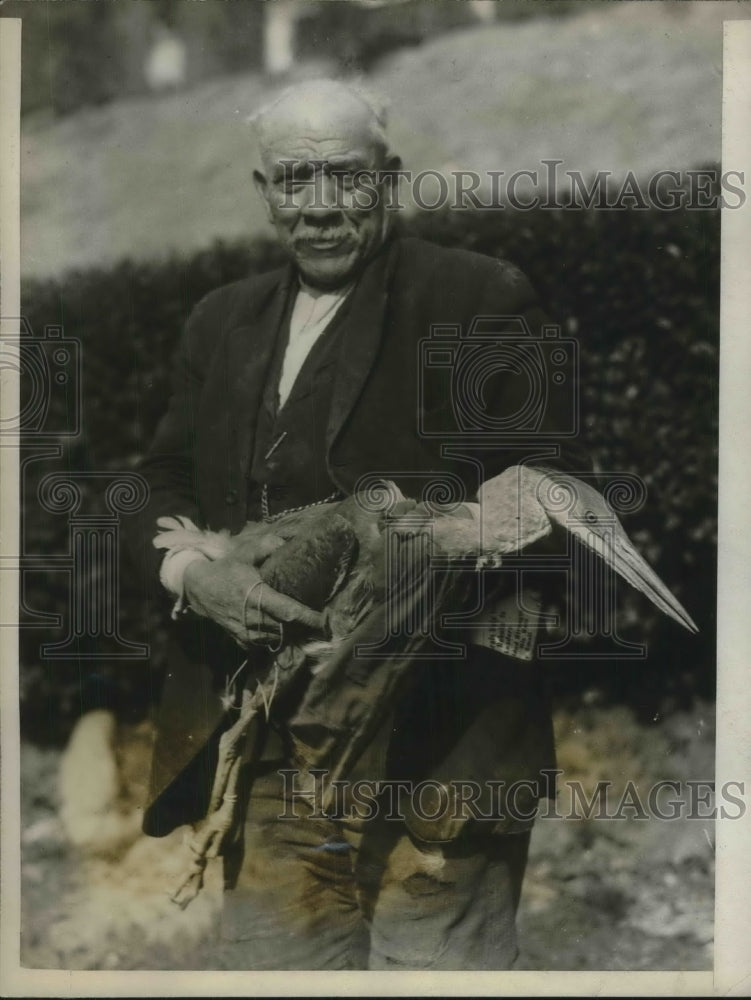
x: 590, y: 517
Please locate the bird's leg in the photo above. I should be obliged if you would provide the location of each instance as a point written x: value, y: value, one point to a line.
x: 222, y: 813
x: 207, y: 842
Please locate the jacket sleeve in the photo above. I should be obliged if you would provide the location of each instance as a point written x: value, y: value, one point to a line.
x: 169, y: 464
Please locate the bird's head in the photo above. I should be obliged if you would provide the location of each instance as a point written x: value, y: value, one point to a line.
x: 579, y: 509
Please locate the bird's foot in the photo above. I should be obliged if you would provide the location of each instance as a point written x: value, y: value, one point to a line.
x: 205, y: 845
x: 489, y: 560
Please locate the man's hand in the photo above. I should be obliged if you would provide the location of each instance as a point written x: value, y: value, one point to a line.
x: 232, y: 594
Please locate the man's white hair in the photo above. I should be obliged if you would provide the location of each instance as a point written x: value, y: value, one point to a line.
x: 375, y: 106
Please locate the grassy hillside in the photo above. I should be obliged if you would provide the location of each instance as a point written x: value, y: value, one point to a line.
x: 635, y: 86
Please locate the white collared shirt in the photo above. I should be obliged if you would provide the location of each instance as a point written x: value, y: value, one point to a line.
x: 311, y: 314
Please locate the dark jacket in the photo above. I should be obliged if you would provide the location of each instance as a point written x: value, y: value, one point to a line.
x: 411, y: 417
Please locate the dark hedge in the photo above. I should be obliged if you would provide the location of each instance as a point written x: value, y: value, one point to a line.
x: 640, y: 291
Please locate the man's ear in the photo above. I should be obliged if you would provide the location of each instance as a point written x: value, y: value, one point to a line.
x: 262, y: 187
x: 391, y: 180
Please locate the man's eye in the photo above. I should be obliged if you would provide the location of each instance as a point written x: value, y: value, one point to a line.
x: 344, y: 178
x: 292, y: 184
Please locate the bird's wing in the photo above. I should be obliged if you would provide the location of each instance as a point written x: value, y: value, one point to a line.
x: 313, y: 566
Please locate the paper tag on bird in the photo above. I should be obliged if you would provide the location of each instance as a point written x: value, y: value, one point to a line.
x: 510, y: 626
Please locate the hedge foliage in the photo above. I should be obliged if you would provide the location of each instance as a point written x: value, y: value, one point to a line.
x: 639, y: 289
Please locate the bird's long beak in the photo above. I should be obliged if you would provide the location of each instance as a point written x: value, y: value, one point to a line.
x: 618, y: 552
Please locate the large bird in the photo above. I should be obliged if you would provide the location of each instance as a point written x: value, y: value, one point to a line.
x: 333, y: 559
x: 364, y: 565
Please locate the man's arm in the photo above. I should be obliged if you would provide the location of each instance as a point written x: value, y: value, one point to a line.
x: 227, y: 591
x: 169, y: 465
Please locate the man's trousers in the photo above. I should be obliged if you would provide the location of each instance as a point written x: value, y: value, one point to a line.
x: 308, y: 892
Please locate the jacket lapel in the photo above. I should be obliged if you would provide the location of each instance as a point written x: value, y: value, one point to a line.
x: 250, y: 350
x: 363, y: 333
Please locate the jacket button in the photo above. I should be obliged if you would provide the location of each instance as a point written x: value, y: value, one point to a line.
x: 231, y: 498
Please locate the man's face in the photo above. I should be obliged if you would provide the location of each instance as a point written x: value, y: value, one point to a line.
x: 307, y: 185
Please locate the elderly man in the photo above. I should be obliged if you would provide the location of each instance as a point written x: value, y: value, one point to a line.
x: 289, y: 388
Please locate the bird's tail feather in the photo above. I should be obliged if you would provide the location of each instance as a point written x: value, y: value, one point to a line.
x: 178, y: 533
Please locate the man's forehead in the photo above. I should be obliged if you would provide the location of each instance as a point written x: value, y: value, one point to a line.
x: 304, y: 150
x: 316, y: 124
